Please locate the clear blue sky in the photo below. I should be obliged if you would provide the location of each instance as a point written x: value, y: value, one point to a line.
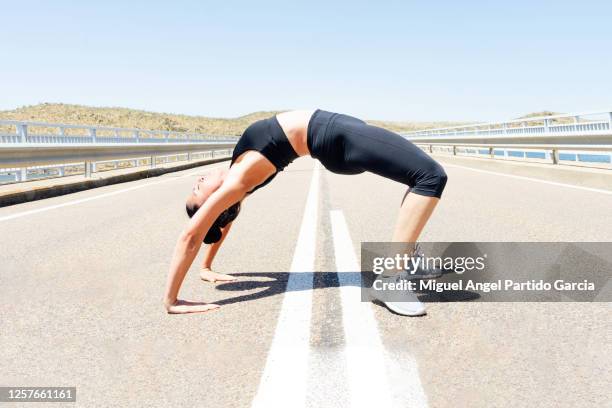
x: 412, y: 60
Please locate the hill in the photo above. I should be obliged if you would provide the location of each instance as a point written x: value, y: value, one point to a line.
x: 133, y: 118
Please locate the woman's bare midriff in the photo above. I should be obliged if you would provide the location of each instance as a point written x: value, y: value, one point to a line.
x: 295, y: 126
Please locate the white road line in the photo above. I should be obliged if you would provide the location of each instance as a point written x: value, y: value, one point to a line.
x: 552, y: 183
x: 283, y: 382
x: 84, y: 200
x: 366, y: 357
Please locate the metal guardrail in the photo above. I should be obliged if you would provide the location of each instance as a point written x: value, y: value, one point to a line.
x: 530, y: 128
x: 57, y: 144
x: 548, y: 134
x: 93, y: 134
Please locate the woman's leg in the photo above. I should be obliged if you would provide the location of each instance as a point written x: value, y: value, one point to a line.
x: 413, y: 215
x: 377, y: 150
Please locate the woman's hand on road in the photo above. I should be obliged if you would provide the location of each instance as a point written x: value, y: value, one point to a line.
x: 208, y: 275
x: 185, y: 306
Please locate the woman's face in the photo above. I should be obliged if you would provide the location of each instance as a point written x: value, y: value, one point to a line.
x: 206, y: 185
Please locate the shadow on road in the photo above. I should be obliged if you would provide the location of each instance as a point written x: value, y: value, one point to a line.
x: 277, y: 284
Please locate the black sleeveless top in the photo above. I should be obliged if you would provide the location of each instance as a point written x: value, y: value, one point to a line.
x: 267, y: 137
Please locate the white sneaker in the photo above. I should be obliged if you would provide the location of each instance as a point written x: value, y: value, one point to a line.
x: 407, y: 308
x: 404, y: 302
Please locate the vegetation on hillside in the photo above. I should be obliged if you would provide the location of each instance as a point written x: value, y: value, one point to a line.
x: 133, y: 118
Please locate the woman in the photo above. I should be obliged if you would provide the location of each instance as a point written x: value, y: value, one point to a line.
x: 343, y: 144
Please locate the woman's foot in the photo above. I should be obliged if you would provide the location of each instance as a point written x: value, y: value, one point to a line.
x: 209, y: 276
x: 394, y: 293
x: 185, y: 306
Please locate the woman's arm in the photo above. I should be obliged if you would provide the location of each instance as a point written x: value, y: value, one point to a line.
x: 212, y: 249
x: 206, y: 273
x: 231, y: 191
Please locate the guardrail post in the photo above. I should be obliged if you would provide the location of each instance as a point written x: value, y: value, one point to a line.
x: 454, y: 150
x: 87, y: 169
x: 136, y: 135
x: 610, y: 121
x: 554, y: 155
x: 152, y: 162
x: 62, y: 171
x: 166, y: 134
x: 92, y: 134
x: 545, y: 125
x: 22, y: 131
x: 188, y: 156
x: 23, y: 174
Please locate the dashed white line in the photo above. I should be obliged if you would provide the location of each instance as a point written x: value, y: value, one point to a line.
x: 84, y: 200
x: 367, y: 360
x: 285, y: 376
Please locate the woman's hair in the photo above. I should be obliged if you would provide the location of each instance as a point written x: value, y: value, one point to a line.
x: 214, y: 233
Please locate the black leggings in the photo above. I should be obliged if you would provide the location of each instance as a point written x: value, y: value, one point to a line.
x: 347, y: 145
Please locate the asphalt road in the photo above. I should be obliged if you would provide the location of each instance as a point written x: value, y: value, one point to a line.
x: 82, y: 278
